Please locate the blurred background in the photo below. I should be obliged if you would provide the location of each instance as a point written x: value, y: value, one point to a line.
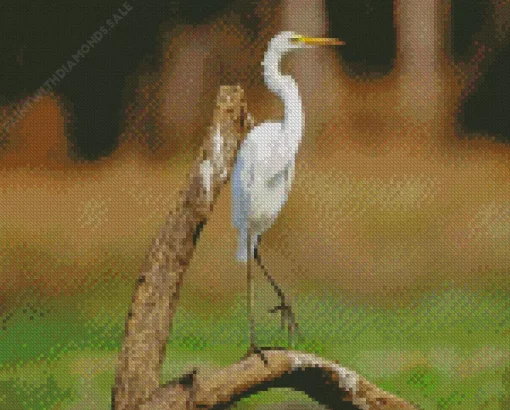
x: 401, y: 203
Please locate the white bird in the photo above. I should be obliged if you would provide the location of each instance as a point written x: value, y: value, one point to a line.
x: 264, y: 168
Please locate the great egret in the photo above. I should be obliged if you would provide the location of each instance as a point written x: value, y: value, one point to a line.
x: 264, y: 168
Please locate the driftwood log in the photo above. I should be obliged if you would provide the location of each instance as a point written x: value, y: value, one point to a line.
x: 137, y: 381
x: 325, y: 381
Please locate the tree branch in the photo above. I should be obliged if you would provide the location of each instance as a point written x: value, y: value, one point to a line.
x: 323, y: 380
x: 157, y: 289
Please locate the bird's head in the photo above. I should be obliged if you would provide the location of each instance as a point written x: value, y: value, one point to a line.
x: 289, y: 40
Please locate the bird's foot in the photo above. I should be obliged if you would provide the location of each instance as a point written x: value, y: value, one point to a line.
x: 287, y: 315
x: 287, y: 318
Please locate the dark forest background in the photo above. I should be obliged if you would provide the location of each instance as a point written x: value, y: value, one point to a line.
x: 37, y: 37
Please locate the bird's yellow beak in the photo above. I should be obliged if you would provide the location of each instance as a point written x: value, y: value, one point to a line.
x: 320, y: 41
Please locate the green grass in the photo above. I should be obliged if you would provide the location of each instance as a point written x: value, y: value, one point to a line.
x: 448, y: 351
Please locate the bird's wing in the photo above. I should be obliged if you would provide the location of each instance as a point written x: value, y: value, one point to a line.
x: 289, y: 176
x: 285, y: 177
x: 270, y: 151
x: 242, y: 179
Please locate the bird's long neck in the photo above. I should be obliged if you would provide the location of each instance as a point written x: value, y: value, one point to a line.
x: 286, y: 88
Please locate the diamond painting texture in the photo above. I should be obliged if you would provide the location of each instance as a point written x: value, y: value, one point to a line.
x: 392, y: 247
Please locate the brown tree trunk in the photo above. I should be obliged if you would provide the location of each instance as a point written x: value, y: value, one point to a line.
x: 157, y: 289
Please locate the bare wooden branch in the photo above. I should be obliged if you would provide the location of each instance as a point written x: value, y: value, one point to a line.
x: 157, y: 289
x: 323, y: 380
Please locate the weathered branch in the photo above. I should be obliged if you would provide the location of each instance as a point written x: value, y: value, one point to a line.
x: 157, y: 289
x: 323, y: 380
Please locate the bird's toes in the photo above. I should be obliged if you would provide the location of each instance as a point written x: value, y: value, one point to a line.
x: 282, y: 308
x: 276, y: 309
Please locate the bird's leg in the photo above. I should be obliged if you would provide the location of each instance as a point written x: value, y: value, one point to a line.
x: 251, y: 290
x: 254, y: 349
x: 287, y: 315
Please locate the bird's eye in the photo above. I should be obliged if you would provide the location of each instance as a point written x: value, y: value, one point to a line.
x: 296, y: 40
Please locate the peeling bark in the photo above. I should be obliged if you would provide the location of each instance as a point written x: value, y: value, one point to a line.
x: 157, y: 289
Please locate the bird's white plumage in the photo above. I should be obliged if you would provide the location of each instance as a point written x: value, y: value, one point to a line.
x: 260, y: 189
x: 264, y: 169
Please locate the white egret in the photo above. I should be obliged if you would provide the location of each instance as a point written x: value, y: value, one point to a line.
x: 264, y: 169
